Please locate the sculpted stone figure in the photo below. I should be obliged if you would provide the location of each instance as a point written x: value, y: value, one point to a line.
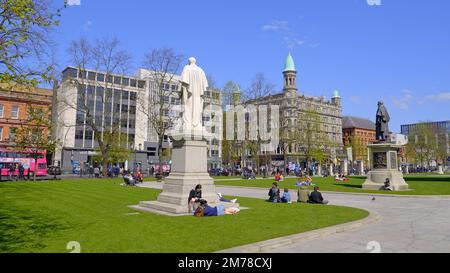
x: 382, y: 122
x: 193, y: 84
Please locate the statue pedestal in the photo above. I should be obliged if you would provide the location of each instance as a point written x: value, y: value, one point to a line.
x: 385, y: 165
x: 189, y: 168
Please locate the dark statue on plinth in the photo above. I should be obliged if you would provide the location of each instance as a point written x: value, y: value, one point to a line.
x: 384, y: 157
x: 382, y: 123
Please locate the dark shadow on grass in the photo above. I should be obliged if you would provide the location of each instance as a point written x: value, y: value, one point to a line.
x: 349, y: 185
x: 358, y: 177
x: 21, y: 230
x: 427, y: 178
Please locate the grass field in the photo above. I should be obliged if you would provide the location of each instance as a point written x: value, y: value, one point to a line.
x: 419, y: 185
x: 45, y: 216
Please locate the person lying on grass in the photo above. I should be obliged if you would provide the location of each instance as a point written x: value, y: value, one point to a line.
x: 223, y: 199
x: 205, y: 210
x: 341, y: 177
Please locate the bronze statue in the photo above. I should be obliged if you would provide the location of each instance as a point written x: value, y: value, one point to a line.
x: 382, y: 123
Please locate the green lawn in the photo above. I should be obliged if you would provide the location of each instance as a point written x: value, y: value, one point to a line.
x: 45, y: 216
x: 419, y: 185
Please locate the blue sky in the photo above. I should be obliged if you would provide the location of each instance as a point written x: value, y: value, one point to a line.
x: 398, y: 52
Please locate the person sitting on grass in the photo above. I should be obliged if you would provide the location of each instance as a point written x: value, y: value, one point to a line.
x: 303, y: 194
x: 277, y: 176
x: 194, y: 198
x: 308, y: 181
x: 387, y: 185
x: 316, y: 197
x: 129, y: 180
x: 286, y: 198
x: 138, y: 177
x: 274, y: 193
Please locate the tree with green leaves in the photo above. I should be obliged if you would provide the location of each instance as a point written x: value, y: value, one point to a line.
x: 410, y: 152
x: 423, y: 142
x: 33, y: 135
x: 119, y: 151
x: 25, y: 43
x: 359, y: 149
x: 310, y: 137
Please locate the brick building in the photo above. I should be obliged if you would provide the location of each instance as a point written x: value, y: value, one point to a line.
x: 358, y: 133
x: 14, y: 103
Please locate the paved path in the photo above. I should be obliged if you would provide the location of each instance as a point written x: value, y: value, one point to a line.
x: 417, y: 224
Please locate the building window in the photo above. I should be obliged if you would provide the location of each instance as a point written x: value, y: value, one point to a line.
x: 91, y: 76
x: 88, y: 135
x: 12, y: 134
x: 125, y: 96
x: 15, y: 112
x: 79, y: 134
x: 1, y: 133
x: 132, y: 110
x: 141, y: 84
x: 100, y: 77
x: 1, y: 110
x: 133, y: 96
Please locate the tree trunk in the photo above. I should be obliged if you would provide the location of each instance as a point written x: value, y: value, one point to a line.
x: 35, y: 166
x: 160, y: 155
x: 104, y: 167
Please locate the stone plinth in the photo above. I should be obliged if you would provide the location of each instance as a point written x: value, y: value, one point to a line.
x: 189, y: 168
x: 385, y: 165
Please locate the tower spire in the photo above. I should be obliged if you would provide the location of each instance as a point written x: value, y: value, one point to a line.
x: 290, y: 75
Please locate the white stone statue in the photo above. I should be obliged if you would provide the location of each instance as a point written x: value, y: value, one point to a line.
x: 193, y: 84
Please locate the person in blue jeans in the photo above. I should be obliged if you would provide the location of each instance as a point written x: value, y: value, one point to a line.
x: 211, y: 211
x: 223, y: 199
